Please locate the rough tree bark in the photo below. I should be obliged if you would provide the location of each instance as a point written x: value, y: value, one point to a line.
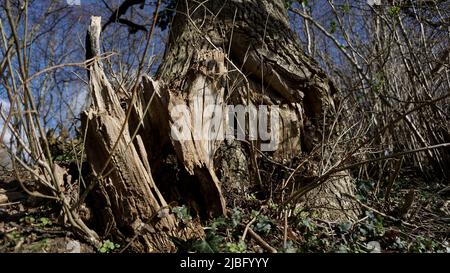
x: 244, y: 52
x: 219, y: 53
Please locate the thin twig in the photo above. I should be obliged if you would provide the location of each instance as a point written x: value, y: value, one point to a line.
x: 9, y: 204
x: 378, y: 212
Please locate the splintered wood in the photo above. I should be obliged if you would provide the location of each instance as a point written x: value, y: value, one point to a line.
x: 125, y: 186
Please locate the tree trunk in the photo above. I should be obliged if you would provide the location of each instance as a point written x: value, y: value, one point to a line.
x: 220, y: 53
x: 245, y: 53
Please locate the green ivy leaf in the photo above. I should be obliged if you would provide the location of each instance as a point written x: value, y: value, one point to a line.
x: 182, y: 213
x: 210, y: 244
x: 345, y: 227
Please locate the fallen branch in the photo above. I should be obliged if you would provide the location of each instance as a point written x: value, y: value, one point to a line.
x: 261, y: 241
x: 246, y: 228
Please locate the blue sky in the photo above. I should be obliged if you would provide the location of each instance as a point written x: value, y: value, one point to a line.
x: 62, y: 41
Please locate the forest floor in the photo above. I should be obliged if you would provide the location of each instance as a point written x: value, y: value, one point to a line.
x: 28, y: 224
